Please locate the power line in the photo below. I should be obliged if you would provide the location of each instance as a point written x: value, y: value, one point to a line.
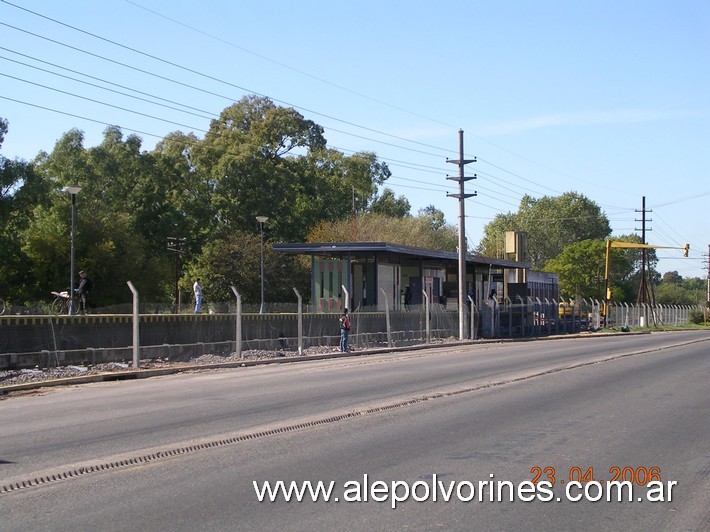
x: 343, y: 88
x: 98, y: 87
x: 207, y: 76
x: 45, y: 108
x: 192, y: 71
x: 102, y: 103
x: 289, y: 67
x: 536, y: 183
x: 155, y: 96
x: 681, y: 200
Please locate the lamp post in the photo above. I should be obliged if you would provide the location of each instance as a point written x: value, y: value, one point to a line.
x: 73, y: 190
x: 261, y: 220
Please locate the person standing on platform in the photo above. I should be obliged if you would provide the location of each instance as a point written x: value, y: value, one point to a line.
x: 344, y: 331
x: 85, y: 286
x: 197, y: 289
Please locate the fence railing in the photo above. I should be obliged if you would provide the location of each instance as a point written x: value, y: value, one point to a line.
x: 535, y: 317
x: 112, y: 335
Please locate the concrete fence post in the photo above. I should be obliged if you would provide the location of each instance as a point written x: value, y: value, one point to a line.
x: 238, y: 334
x: 136, y: 326
x: 387, y: 313
x: 426, y: 316
x: 346, y: 299
x: 300, y: 321
x: 473, y: 318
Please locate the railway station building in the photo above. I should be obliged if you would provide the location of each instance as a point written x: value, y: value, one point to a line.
x: 405, y: 273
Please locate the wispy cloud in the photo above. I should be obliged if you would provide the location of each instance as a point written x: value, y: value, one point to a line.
x: 586, y: 118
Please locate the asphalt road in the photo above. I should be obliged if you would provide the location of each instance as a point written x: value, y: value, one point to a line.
x: 182, y: 452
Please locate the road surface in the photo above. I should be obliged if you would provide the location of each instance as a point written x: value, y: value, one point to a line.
x: 394, y: 435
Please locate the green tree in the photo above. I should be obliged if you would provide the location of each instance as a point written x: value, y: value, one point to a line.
x: 582, y: 267
x: 235, y: 260
x: 417, y: 231
x: 250, y: 161
x: 434, y: 215
x: 177, y: 194
x: 673, y: 294
x: 552, y: 223
x: 261, y: 159
x: 673, y: 289
x: 697, y: 287
x: 389, y: 205
x: 112, y: 241
x: 334, y: 187
x: 672, y: 278
x: 21, y: 191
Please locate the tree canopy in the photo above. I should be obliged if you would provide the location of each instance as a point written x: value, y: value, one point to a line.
x: 674, y: 289
x: 421, y: 231
x: 581, y: 267
x: 552, y: 223
x: 257, y: 159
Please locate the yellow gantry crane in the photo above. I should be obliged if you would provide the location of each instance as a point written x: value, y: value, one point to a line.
x: 617, y: 244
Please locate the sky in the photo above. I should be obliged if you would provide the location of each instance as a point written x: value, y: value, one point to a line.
x: 606, y: 98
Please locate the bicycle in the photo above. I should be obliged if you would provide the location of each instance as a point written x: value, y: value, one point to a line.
x: 61, y: 302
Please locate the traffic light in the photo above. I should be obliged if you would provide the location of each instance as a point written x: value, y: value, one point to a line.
x: 686, y: 248
x: 609, y: 293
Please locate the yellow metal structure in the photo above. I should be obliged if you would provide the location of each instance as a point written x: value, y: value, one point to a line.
x: 617, y: 244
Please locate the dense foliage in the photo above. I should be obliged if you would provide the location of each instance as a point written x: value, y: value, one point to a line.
x: 423, y: 231
x: 258, y: 159
x: 582, y: 267
x: 674, y: 289
x: 552, y: 223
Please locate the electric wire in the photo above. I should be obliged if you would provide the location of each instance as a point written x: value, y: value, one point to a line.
x: 516, y: 175
x: 289, y: 67
x: 98, y: 87
x: 196, y: 72
x: 102, y: 103
x: 137, y: 91
x: 212, y: 93
x: 73, y: 115
x: 237, y: 86
x: 346, y: 89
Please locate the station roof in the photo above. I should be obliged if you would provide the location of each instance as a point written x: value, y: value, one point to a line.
x: 371, y: 249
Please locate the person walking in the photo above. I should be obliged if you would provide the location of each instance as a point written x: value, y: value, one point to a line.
x: 197, y: 289
x: 344, y: 331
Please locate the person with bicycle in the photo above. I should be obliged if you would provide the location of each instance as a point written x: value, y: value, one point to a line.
x: 85, y: 286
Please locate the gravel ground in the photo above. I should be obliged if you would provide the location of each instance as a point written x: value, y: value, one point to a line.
x: 22, y: 376
x: 37, y: 375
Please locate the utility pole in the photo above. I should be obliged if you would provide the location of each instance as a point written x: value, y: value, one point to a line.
x: 644, y: 257
x: 643, y: 288
x: 174, y: 243
x: 707, y: 303
x: 461, y: 162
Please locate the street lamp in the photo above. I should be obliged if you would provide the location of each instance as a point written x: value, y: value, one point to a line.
x: 261, y: 220
x: 73, y: 190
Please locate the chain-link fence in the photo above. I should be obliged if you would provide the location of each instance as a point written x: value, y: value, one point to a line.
x: 108, y: 334
x: 535, y: 317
